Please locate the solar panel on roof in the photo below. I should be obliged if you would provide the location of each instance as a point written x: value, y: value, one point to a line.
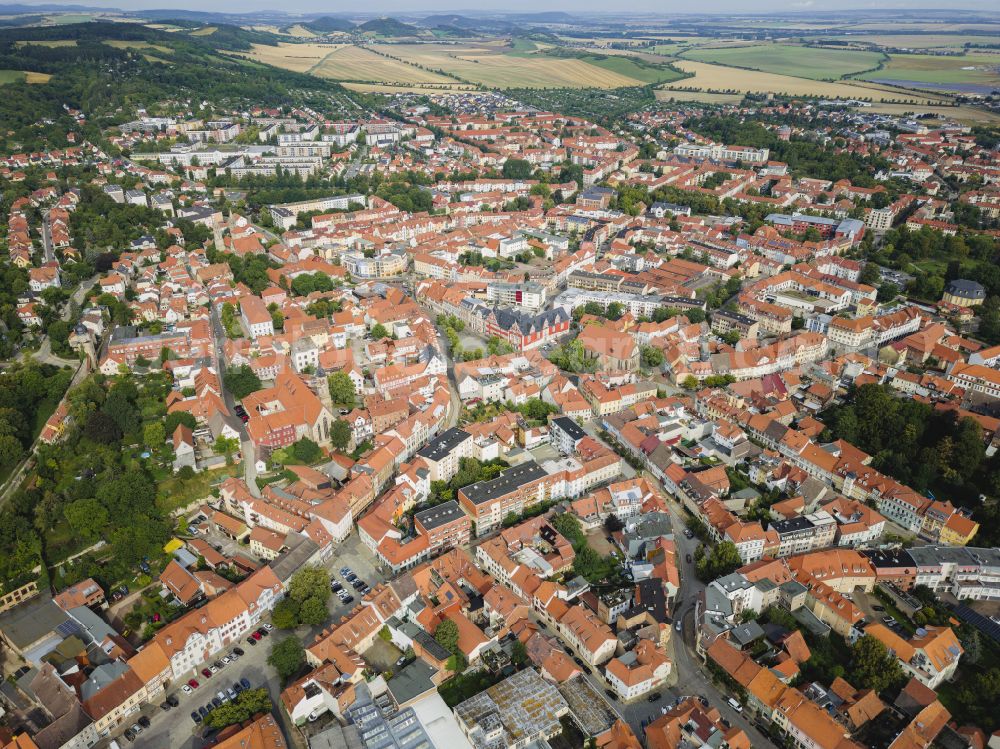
x: 68, y: 628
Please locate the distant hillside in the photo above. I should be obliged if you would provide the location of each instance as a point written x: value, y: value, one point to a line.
x: 326, y: 24
x: 388, y: 27
x: 450, y: 21
x: 547, y: 17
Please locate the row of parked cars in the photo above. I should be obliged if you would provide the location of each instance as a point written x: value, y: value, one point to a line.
x: 350, y: 579
x: 221, y: 698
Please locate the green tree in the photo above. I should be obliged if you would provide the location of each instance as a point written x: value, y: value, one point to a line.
x: 516, y: 169
x: 154, y: 435
x: 307, y: 451
x: 179, y: 417
x: 341, y: 388
x: 313, y: 612
x: 340, y: 434
x: 87, y: 517
x: 446, y: 636
x: 873, y: 666
x: 652, y: 356
x: 285, y: 614
x: 241, y: 381
x: 379, y: 331
x: 519, y: 653
x: 309, y: 582
x: 287, y: 657
x: 248, y: 703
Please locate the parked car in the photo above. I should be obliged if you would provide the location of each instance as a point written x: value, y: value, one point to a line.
x: 256, y: 636
x: 239, y: 651
x: 268, y: 626
x: 245, y: 682
x: 187, y: 689
x: 262, y: 632
x: 654, y: 697
x: 172, y: 700
x: 219, y: 664
x: 688, y: 557
x: 237, y: 687
x: 679, y: 625
x: 144, y: 721
x: 221, y: 696
x: 203, y: 711
x: 888, y: 620
x: 129, y: 734
x: 216, y: 702
x: 214, y: 668
x: 344, y: 570
x: 196, y: 716
x: 348, y: 599
x: 193, y: 683
x: 611, y: 694
x: 336, y: 587
x: 206, y: 673
x: 231, y: 694
x: 165, y: 707
x: 735, y: 705
x: 876, y: 607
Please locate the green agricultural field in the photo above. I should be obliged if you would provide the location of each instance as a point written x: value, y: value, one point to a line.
x: 632, y: 67
x: 787, y: 59
x: 11, y: 76
x: 974, y: 69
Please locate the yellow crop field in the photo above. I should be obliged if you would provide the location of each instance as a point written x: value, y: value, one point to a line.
x: 297, y: 57
x: 204, y: 31
x: 722, y: 78
x: 352, y: 63
x: 300, y: 30
x: 30, y: 77
x: 490, y: 67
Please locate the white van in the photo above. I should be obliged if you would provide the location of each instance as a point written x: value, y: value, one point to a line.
x: 735, y: 705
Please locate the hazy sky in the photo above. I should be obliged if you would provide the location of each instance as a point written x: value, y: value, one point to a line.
x: 517, y: 6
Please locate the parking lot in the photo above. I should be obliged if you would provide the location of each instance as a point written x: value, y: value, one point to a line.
x: 174, y: 729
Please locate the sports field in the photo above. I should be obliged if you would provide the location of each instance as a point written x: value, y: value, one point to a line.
x: 786, y: 59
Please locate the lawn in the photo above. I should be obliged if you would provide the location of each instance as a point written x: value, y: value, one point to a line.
x: 804, y: 62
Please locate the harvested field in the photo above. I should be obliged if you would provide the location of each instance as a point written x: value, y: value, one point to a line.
x: 204, y: 31
x: 490, y: 67
x: 351, y: 63
x: 728, y: 80
x: 701, y: 97
x: 297, y: 57
x: 918, y: 41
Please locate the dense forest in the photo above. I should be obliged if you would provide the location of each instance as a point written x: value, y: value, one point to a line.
x: 88, y: 488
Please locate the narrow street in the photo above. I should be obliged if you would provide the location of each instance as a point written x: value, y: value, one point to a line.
x: 246, y: 446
